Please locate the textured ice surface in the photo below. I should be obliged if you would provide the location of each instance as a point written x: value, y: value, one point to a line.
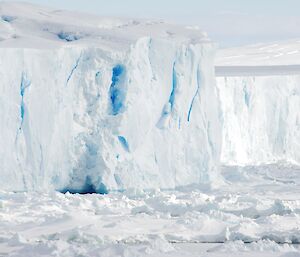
x: 256, y: 213
x: 90, y: 107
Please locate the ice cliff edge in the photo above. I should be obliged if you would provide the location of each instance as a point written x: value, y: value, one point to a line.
x: 97, y: 104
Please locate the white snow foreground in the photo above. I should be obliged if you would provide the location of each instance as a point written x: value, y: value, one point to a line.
x: 256, y: 214
x: 94, y: 104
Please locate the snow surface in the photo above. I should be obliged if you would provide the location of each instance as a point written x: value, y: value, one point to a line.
x: 256, y: 213
x: 23, y: 25
x: 274, y: 59
x: 94, y: 104
x: 281, y: 53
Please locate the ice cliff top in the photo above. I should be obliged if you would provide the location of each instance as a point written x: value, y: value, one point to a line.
x: 277, y: 53
x: 278, y: 58
x: 25, y: 25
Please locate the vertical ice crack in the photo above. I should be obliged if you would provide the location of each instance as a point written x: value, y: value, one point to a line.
x: 41, y: 162
x: 25, y: 83
x: 168, y: 107
x: 194, y: 97
x: 246, y: 94
x: 73, y: 69
x: 150, y: 42
x: 174, y: 87
x: 117, y: 91
x: 124, y: 143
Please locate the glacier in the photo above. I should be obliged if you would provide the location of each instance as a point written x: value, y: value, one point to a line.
x: 197, y: 159
x: 117, y: 104
x: 92, y: 105
x: 259, y: 88
x: 262, y: 119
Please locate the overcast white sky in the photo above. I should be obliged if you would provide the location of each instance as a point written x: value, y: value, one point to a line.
x: 230, y: 22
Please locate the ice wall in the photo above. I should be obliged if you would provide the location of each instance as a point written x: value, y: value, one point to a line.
x: 261, y: 119
x: 92, y: 120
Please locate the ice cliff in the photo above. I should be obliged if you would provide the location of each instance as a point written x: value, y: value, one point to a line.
x: 259, y: 89
x: 261, y: 119
x: 92, y: 104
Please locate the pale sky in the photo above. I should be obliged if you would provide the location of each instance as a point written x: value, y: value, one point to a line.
x: 229, y: 22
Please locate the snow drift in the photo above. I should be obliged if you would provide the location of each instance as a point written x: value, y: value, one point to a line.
x: 116, y: 104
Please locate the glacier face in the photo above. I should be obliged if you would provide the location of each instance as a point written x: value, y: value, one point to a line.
x: 261, y: 119
x: 91, y: 104
x: 89, y: 119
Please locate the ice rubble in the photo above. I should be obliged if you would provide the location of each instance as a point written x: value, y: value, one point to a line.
x: 104, y: 104
x: 255, y: 216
